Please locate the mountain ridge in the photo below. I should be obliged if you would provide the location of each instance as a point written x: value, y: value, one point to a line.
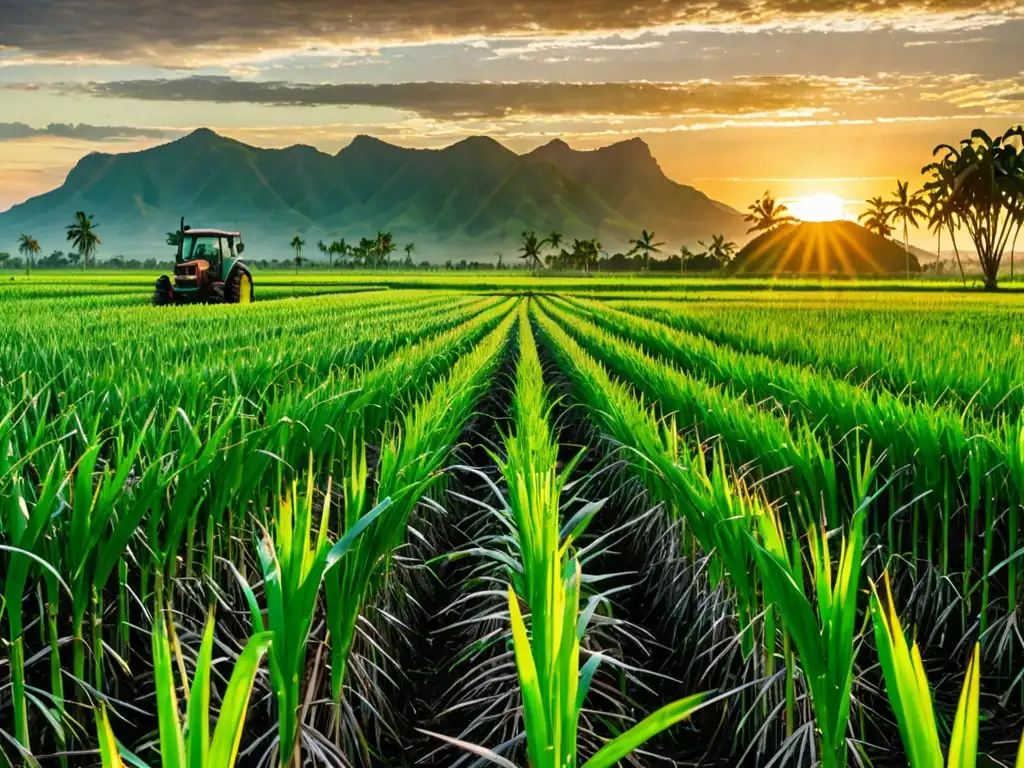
x: 471, y: 196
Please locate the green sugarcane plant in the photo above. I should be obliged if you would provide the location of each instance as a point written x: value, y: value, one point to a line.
x: 191, y: 746
x: 824, y: 638
x: 294, y: 559
x: 907, y: 688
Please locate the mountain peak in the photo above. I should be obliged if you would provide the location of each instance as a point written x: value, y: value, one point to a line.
x: 635, y: 146
x: 364, y: 142
x: 478, y: 144
x: 202, y: 135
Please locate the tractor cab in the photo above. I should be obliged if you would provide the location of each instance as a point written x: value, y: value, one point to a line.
x: 208, y: 269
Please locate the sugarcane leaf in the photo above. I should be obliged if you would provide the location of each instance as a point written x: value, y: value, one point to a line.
x: 231, y: 721
x: 537, y: 736
x: 345, y: 543
x: 963, y: 743
x: 110, y: 756
x: 474, y: 749
x: 199, y: 702
x: 172, y: 744
x: 647, y: 728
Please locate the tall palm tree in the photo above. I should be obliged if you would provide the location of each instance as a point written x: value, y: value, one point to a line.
x: 554, y: 240
x: 530, y: 249
x: 325, y: 250
x: 385, y: 247
x: 645, y: 245
x: 297, y: 243
x: 767, y: 213
x: 685, y: 254
x: 935, y: 213
x: 339, y: 248
x: 409, y: 248
x: 720, y: 249
x: 909, y: 208
x: 876, y: 217
x: 982, y: 183
x: 82, y: 235
x: 28, y: 247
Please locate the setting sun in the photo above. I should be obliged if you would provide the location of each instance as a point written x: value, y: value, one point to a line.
x: 821, y: 207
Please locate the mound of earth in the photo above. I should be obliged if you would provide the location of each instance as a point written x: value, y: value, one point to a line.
x: 822, y: 248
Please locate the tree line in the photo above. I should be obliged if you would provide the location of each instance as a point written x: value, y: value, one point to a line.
x: 369, y: 252
x: 553, y: 252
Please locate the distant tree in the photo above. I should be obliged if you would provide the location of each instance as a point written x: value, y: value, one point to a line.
x: 766, y: 214
x: 876, y: 217
x: 4, y: 257
x: 644, y: 246
x: 909, y: 208
x: 409, y: 249
x: 323, y: 248
x: 339, y: 248
x: 719, y: 249
x: 74, y: 258
x: 174, y: 238
x: 501, y: 258
x: 82, y: 236
x: 685, y: 256
x: 591, y: 254
x: 530, y: 248
x: 297, y: 243
x: 365, y: 251
x: 28, y: 247
x: 554, y: 239
x: 385, y: 246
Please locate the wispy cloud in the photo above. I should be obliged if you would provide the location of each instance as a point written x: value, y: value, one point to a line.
x: 196, y: 32
x: 83, y: 132
x: 770, y: 95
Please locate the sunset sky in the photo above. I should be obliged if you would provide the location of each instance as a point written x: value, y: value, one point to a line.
x: 733, y: 96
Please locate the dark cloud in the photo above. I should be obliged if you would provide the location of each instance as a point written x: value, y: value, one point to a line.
x: 173, y: 32
x: 82, y: 132
x: 454, y: 101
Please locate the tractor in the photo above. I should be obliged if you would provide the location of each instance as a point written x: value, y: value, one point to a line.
x: 208, y: 270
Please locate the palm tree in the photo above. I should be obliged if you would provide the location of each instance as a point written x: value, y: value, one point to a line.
x: 720, y: 249
x: 908, y: 208
x: 385, y: 247
x: 935, y: 219
x: 174, y: 238
x: 876, y: 217
x: 82, y: 235
x: 982, y: 185
x: 324, y: 249
x: 554, y: 240
x: 645, y: 245
x: 685, y: 254
x: 340, y: 248
x: 530, y: 248
x: 28, y: 247
x: 409, y: 248
x: 297, y: 243
x: 767, y: 213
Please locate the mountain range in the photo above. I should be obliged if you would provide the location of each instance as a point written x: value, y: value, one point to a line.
x: 466, y: 200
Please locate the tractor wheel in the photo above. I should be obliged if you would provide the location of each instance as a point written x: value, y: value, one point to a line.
x: 238, y: 289
x: 162, y: 292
